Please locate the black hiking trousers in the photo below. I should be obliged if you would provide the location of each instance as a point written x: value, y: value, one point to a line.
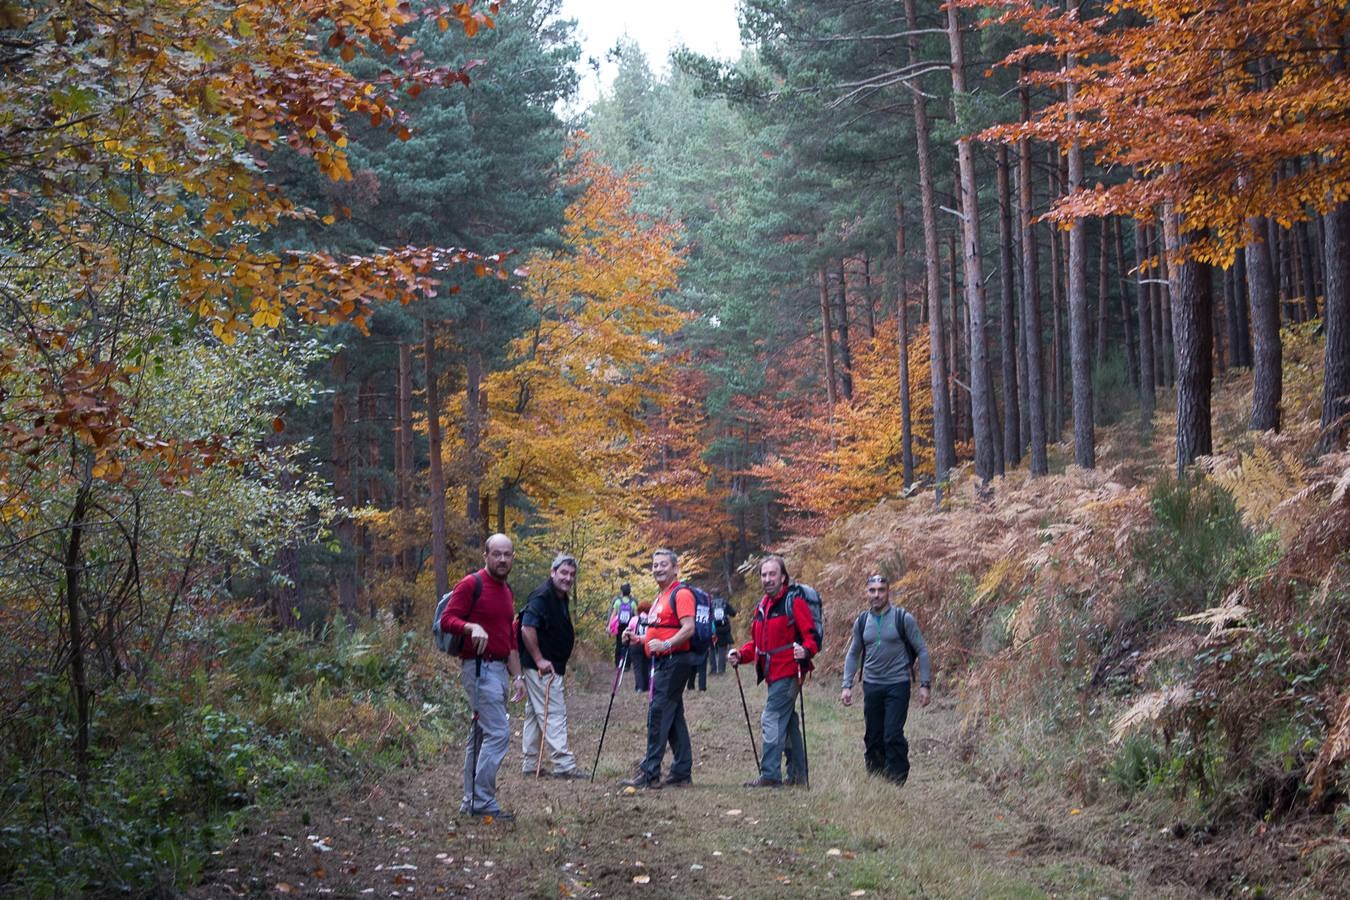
x: 885, y: 708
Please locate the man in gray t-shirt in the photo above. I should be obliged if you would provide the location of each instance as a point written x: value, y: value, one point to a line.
x: 886, y: 641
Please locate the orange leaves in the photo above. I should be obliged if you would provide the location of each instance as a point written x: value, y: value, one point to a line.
x: 1206, y: 102
x: 565, y: 412
x: 846, y: 461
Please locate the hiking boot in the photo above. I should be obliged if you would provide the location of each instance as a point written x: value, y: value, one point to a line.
x: 796, y: 782
x: 678, y: 782
x: 487, y: 818
x: 763, y: 782
x: 572, y: 775
x: 642, y: 781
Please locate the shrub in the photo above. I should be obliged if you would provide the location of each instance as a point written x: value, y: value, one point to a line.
x: 1194, y: 550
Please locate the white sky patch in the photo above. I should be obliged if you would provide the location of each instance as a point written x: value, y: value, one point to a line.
x: 657, y: 26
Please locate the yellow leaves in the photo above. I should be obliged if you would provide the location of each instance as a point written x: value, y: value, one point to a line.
x: 108, y: 469
x: 266, y: 318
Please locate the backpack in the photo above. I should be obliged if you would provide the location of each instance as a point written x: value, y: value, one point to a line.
x: 813, y: 602
x: 704, y: 634
x: 454, y: 643
x: 626, y: 609
x: 900, y: 614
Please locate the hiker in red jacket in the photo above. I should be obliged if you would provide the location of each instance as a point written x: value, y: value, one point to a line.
x: 782, y: 641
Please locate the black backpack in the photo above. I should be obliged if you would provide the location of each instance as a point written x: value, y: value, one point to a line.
x: 705, y: 635
x: 900, y: 614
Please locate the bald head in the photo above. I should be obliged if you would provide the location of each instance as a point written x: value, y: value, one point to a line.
x: 498, y: 555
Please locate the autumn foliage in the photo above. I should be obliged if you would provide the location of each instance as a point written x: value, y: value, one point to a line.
x: 1205, y: 103
x: 132, y: 169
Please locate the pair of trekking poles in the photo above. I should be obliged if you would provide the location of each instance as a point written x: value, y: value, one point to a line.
x: 614, y: 690
x: 801, y: 695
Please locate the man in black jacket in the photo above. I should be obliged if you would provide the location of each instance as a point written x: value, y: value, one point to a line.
x: 546, y: 639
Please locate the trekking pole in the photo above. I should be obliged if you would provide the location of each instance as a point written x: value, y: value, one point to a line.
x: 618, y: 676
x: 543, y: 732
x: 475, y: 739
x: 801, y: 695
x: 745, y: 707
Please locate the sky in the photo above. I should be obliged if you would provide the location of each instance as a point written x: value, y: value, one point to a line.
x: 658, y: 26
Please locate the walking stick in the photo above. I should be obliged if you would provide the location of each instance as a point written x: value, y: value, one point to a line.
x: 737, y: 669
x: 475, y: 739
x: 618, y: 676
x: 801, y: 695
x: 543, y: 736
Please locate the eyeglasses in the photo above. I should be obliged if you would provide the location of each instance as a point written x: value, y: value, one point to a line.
x: 876, y: 579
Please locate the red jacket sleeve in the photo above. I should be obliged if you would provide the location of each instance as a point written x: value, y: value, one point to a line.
x: 461, y: 598
x: 747, y: 650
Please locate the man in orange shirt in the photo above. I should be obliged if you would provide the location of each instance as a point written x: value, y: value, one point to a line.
x: 670, y: 625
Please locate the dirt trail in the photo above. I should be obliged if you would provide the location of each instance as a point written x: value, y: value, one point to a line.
x: 941, y: 835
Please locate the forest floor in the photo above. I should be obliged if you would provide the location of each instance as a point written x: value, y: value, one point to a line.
x: 944, y: 834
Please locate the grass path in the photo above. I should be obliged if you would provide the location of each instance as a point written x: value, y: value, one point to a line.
x: 942, y: 835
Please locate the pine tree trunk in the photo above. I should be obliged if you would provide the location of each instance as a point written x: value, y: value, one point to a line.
x: 870, y: 301
x: 901, y: 288
x: 1232, y: 282
x: 1243, y: 317
x: 1103, y: 309
x: 1122, y: 285
x: 1031, y: 301
x: 1267, y: 363
x: 1308, y: 269
x: 845, y: 351
x: 345, y: 530
x: 827, y: 340
x: 1156, y: 302
x: 1144, y: 298
x: 1057, y: 323
x: 440, y: 558
x: 956, y: 335
x: 1084, y: 432
x: 475, y: 523
x: 987, y: 452
x: 1218, y: 326
x: 944, y: 450
x: 1012, y: 442
x: 1020, y: 286
x: 408, y: 554
x: 1169, y: 342
x: 1336, y: 321
x: 1193, y: 336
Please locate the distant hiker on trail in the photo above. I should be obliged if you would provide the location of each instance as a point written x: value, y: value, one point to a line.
x: 782, y: 641
x: 482, y: 609
x: 888, y: 641
x: 637, y: 654
x: 723, y: 612
x: 666, y: 644
x: 620, y: 614
x: 698, y: 669
x: 547, y: 637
